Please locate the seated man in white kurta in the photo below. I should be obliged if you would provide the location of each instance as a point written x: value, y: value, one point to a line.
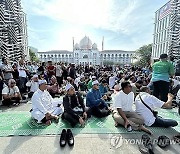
x: 44, y: 107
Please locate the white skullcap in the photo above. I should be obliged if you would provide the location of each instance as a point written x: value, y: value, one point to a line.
x: 82, y: 76
x: 35, y: 76
x: 93, y: 77
x: 68, y: 86
x: 68, y: 78
x: 95, y: 82
x: 42, y: 81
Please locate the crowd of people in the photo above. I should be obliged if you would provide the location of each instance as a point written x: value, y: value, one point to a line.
x: 129, y: 93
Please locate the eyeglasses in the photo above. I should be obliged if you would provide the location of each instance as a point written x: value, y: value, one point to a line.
x: 13, y: 82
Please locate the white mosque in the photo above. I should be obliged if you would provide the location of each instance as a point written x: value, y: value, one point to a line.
x: 87, y: 52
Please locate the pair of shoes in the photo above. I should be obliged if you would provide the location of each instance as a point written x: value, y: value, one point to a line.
x: 146, y: 146
x: 66, y: 136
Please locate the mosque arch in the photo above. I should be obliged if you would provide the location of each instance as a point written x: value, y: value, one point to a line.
x: 85, y: 56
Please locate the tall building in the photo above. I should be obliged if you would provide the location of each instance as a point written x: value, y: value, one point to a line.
x: 13, y: 30
x: 174, y: 48
x: 167, y: 30
x: 86, y: 52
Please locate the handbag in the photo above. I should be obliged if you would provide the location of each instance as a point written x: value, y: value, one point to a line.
x: 155, y: 113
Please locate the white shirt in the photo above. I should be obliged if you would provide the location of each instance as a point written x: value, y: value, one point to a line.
x: 176, y: 83
x: 178, y: 96
x: 22, y: 73
x: 76, y: 81
x: 112, y: 80
x: 33, y: 86
x: 42, y: 101
x: 11, y: 91
x: 58, y: 71
x: 141, y: 109
x: 124, y: 101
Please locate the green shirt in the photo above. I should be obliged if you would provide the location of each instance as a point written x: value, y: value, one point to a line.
x: 162, y: 70
x: 89, y: 84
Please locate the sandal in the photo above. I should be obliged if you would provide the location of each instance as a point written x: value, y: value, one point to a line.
x: 177, y: 138
x: 48, y: 122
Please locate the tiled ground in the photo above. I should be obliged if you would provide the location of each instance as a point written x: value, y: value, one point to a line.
x: 84, y: 143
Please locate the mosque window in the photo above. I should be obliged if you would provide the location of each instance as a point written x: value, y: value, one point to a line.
x: 85, y: 56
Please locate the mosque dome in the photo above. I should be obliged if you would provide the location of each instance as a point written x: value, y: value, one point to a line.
x: 76, y: 46
x: 85, y: 43
x: 94, y: 46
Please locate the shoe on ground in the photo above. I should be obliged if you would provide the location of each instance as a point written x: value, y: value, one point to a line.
x: 63, y: 137
x: 70, y: 138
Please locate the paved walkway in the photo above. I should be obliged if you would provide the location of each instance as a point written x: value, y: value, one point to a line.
x: 84, y: 143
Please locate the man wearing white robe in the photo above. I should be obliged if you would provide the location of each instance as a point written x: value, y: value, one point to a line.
x: 44, y: 107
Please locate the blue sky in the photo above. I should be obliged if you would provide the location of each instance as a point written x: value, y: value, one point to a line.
x: 125, y: 24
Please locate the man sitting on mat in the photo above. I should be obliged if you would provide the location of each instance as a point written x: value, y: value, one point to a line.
x: 11, y: 94
x: 44, y: 108
x: 96, y: 102
x: 145, y: 105
x: 123, y: 113
x: 74, y: 108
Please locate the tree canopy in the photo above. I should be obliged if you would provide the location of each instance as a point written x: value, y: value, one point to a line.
x: 143, y: 54
x: 33, y: 56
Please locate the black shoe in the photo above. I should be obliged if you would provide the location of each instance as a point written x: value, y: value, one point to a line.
x: 70, y: 138
x: 62, y: 141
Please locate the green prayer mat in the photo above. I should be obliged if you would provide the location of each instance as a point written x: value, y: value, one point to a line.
x: 20, y: 123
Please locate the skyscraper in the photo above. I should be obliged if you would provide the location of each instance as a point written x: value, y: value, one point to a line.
x: 13, y: 30
x: 174, y: 48
x: 167, y: 30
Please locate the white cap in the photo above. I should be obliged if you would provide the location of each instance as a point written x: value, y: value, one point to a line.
x: 68, y: 78
x: 42, y: 81
x: 93, y: 77
x: 95, y: 82
x: 68, y: 86
x: 82, y: 76
x: 35, y: 76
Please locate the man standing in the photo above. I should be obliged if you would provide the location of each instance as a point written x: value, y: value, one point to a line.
x: 7, y: 71
x: 162, y: 70
x: 123, y: 113
x: 44, y: 108
x: 152, y: 102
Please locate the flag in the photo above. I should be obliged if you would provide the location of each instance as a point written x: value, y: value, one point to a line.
x: 165, y: 10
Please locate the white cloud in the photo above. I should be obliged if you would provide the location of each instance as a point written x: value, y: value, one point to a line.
x: 106, y: 14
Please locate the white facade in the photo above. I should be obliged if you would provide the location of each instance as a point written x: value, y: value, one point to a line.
x: 87, y: 52
x: 161, y: 31
x: 13, y: 30
x: 174, y: 50
x: 167, y: 30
